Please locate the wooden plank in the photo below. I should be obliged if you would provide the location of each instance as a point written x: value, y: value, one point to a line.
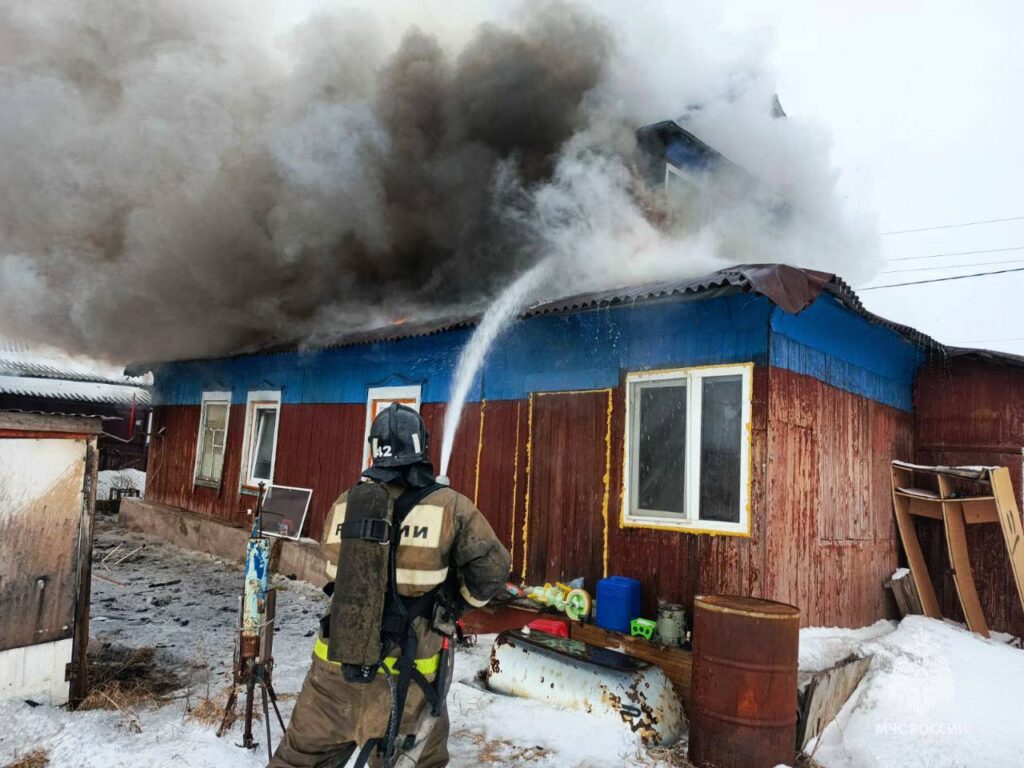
x: 923, y: 508
x: 918, y: 493
x: 905, y: 593
x: 960, y: 561
x: 675, y: 662
x: 980, y: 510
x: 912, y: 546
x: 487, y: 620
x: 79, y: 678
x: 78, y: 425
x: 826, y: 694
x: 1009, y: 520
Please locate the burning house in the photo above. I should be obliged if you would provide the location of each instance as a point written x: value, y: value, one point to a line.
x: 724, y: 434
x: 730, y: 433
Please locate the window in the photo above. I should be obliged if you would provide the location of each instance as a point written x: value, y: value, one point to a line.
x: 689, y: 195
x: 380, y: 398
x: 262, y: 414
x: 213, y: 432
x: 688, y: 448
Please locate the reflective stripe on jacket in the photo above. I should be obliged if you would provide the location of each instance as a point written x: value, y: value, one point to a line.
x: 427, y: 666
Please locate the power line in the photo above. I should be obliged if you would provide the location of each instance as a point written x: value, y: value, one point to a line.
x: 959, y: 253
x: 942, y: 279
x: 951, y: 266
x: 953, y: 226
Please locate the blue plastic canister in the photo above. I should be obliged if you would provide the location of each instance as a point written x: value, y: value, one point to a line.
x: 618, y: 602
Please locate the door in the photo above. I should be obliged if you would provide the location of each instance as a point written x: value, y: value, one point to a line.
x: 41, y: 516
x: 568, y: 486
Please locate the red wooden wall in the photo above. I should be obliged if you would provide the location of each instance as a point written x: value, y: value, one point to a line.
x: 566, y: 488
x: 318, y: 447
x: 972, y: 412
x: 830, y: 535
x: 551, y: 468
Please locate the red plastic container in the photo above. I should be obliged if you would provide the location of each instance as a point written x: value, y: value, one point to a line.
x: 555, y: 627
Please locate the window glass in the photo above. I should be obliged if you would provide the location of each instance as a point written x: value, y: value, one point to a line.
x: 661, y: 448
x: 721, y: 436
x: 265, y: 434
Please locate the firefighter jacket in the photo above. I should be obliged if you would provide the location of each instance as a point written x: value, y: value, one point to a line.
x: 443, y: 535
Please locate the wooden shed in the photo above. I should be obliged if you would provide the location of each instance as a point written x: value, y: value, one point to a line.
x: 730, y: 433
x: 47, y: 474
x: 969, y: 408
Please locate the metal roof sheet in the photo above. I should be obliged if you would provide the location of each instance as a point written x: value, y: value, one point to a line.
x: 82, y: 391
x: 19, y: 359
x: 792, y: 289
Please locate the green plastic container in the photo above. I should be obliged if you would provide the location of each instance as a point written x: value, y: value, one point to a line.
x: 642, y: 628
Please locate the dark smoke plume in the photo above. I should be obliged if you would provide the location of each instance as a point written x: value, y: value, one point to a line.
x: 172, y: 193
x: 185, y: 178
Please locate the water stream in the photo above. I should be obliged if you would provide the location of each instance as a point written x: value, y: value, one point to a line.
x: 495, y: 319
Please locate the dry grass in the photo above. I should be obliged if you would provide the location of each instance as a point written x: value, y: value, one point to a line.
x: 127, y: 679
x: 501, y: 751
x: 220, y: 710
x: 674, y: 755
x: 38, y: 758
x: 212, y: 712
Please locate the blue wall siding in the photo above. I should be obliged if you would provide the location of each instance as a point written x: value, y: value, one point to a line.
x: 585, y: 350
x: 837, y: 346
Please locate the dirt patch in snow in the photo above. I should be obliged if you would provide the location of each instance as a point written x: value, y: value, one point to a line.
x: 501, y: 751
x: 36, y: 759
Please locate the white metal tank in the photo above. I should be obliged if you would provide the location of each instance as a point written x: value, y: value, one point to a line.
x: 574, y: 675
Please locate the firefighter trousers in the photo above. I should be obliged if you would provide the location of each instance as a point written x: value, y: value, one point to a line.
x: 333, y: 718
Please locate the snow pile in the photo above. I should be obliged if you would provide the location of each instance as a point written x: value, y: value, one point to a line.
x: 936, y: 696
x: 822, y: 648
x: 119, y: 478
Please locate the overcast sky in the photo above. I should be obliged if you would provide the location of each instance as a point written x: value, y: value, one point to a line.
x: 925, y: 101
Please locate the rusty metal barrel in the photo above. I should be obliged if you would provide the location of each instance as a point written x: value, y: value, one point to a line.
x: 745, y: 654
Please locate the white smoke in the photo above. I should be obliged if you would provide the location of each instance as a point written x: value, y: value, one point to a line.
x: 182, y: 178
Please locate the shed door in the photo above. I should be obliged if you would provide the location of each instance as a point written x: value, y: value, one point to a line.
x: 568, y: 465
x: 40, y: 520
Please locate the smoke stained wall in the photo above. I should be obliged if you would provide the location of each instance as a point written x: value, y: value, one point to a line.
x: 185, y: 178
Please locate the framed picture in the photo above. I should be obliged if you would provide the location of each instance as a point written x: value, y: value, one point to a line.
x: 284, y: 510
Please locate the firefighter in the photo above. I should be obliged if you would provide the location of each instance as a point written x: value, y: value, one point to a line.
x: 406, y: 557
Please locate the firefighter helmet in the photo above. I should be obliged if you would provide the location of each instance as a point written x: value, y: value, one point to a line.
x: 398, y: 437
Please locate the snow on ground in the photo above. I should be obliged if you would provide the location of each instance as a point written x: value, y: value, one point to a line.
x: 190, y: 624
x: 119, y: 478
x: 935, y: 696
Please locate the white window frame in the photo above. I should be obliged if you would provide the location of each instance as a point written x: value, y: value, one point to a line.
x: 218, y: 396
x: 261, y: 399
x: 696, y: 181
x: 689, y: 520
x: 409, y: 394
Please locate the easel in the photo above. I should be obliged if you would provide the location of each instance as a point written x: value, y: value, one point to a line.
x: 956, y: 510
